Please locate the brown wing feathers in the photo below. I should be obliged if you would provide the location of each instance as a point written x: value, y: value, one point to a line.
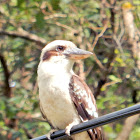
x: 85, y: 104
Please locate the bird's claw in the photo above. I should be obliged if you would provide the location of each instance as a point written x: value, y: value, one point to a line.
x: 48, y: 138
x: 49, y: 134
x: 67, y: 130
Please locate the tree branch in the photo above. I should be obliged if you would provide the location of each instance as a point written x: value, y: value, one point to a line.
x: 95, y: 57
x: 25, y: 35
x: 8, y: 91
x: 103, y: 80
x: 135, y: 94
x: 29, y: 136
x: 99, y: 35
x: 127, y: 128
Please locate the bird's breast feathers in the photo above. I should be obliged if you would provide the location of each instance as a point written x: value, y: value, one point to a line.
x: 56, y: 102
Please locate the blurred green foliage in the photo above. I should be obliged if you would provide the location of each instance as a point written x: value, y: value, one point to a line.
x: 79, y: 21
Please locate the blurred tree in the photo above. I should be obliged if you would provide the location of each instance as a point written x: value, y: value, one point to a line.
x: 108, y: 28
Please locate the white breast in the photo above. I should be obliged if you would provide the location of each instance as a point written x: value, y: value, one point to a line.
x: 56, y: 101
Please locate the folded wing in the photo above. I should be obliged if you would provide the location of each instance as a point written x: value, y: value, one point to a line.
x: 85, y: 104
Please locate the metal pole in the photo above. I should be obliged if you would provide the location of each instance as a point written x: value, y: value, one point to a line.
x: 124, y: 113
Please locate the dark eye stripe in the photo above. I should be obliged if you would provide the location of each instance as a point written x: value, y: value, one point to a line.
x: 47, y: 55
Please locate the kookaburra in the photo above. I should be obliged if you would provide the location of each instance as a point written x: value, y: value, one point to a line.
x: 65, y: 99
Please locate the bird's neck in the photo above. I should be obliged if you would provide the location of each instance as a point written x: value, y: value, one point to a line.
x: 55, y: 69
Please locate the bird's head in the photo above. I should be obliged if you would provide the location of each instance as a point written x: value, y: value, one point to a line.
x: 61, y: 53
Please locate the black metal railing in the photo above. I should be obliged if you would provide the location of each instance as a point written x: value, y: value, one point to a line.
x: 109, y: 118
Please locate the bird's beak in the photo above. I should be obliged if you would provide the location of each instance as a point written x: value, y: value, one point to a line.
x: 76, y: 53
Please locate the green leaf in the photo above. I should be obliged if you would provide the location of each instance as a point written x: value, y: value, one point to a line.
x: 55, y: 4
x: 114, y: 78
x: 45, y: 125
x: 40, y: 22
x: 20, y: 3
x: 105, y: 60
x: 16, y: 99
x: 2, y: 105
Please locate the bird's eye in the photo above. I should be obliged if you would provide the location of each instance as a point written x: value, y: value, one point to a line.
x: 60, y: 48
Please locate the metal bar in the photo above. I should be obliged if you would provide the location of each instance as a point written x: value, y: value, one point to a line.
x: 124, y: 113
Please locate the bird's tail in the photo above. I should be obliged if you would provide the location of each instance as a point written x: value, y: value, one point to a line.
x: 95, y: 134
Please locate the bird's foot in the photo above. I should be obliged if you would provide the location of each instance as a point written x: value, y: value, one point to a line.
x: 68, y: 128
x: 49, y: 133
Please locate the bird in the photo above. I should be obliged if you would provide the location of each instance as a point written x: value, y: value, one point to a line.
x: 65, y: 99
